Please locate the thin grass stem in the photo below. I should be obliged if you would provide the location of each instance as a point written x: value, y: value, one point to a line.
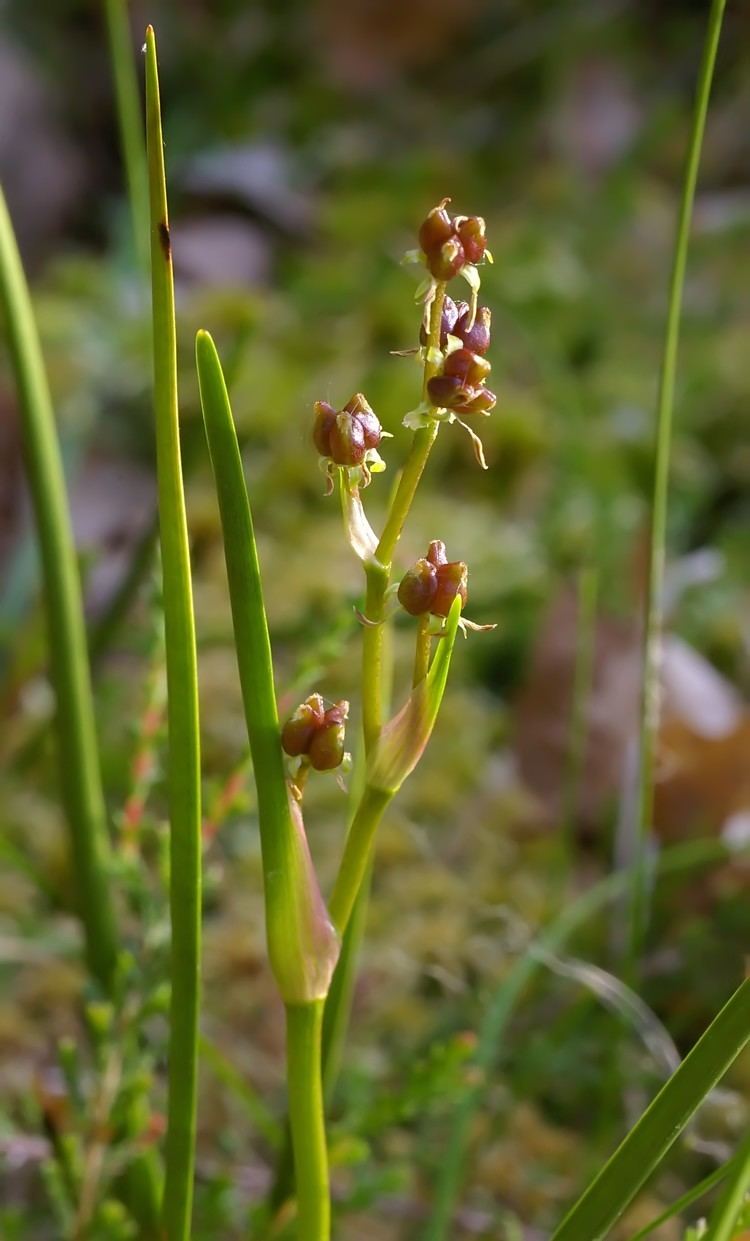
x: 725, y: 1215
x: 687, y: 856
x: 130, y: 123
x: 654, y: 602
x: 182, y: 700
x: 80, y: 775
x: 303, y: 1035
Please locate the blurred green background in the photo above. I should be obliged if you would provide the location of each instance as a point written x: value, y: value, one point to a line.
x: 305, y: 142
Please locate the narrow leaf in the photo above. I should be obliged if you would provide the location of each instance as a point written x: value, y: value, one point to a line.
x: 302, y: 944
x: 182, y: 699
x: 645, y: 1146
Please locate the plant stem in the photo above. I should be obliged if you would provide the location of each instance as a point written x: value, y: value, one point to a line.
x: 130, y: 121
x: 654, y: 603
x: 304, y: 1023
x: 81, y: 785
x: 182, y: 700
x: 356, y: 857
x: 422, y: 650
x: 420, y: 448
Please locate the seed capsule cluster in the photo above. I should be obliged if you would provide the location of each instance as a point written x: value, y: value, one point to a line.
x: 345, y: 436
x: 449, y: 243
x: 460, y: 384
x: 433, y: 582
x: 317, y: 733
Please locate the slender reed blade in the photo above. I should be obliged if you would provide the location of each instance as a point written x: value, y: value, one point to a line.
x: 130, y: 123
x: 302, y: 944
x: 686, y: 856
x: 80, y: 774
x: 686, y: 1200
x: 614, y: 1188
x: 182, y: 699
x: 725, y: 1215
x: 654, y: 603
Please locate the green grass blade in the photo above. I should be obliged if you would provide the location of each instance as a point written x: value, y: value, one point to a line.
x: 302, y: 944
x: 80, y: 775
x: 683, y: 857
x: 641, y: 1152
x: 685, y: 1200
x: 654, y: 606
x: 182, y: 700
x: 130, y: 122
x: 725, y: 1215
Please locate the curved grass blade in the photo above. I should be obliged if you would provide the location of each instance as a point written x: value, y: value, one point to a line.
x: 182, y: 700
x: 497, y: 1015
x: 80, y: 775
x: 641, y: 1152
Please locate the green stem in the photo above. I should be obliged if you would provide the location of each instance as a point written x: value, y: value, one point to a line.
x: 725, y: 1215
x: 303, y: 1034
x: 422, y: 650
x: 654, y: 604
x: 420, y: 447
x: 356, y: 858
x: 80, y: 774
x: 182, y: 700
x: 130, y: 121
x: 685, y: 1200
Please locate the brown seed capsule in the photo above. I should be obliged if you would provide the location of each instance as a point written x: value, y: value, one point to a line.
x: 346, y: 440
x: 418, y: 587
x: 447, y: 261
x: 300, y: 728
x: 476, y: 401
x: 452, y: 580
x: 448, y: 319
x: 326, y: 749
x: 360, y: 408
x: 436, y: 553
x: 469, y: 367
x: 476, y: 337
x: 435, y: 229
x: 325, y: 417
x: 446, y: 390
x: 471, y: 233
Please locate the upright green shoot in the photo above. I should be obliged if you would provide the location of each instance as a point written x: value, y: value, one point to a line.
x: 182, y: 693
x: 130, y: 122
x: 725, y: 1215
x: 80, y: 774
x: 654, y: 603
x: 303, y: 945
